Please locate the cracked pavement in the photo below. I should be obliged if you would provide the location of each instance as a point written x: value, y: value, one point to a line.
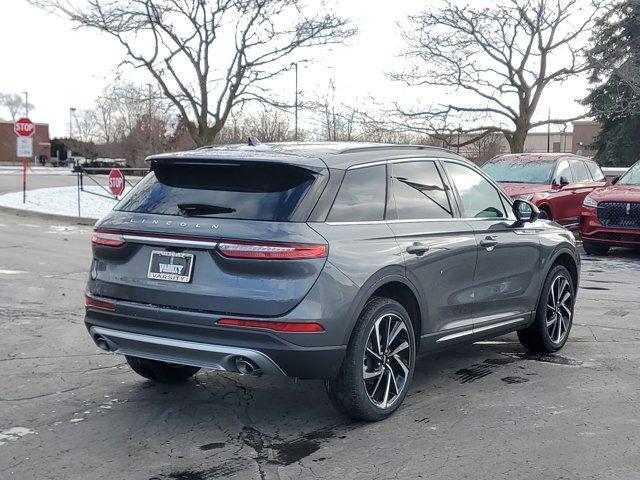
x: 483, y: 411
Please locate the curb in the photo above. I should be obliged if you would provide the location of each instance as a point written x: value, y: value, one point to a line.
x: 48, y: 216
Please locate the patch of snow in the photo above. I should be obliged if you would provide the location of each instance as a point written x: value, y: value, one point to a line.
x: 14, y: 433
x: 76, y: 420
x: 17, y: 170
x: 10, y: 272
x: 62, y: 201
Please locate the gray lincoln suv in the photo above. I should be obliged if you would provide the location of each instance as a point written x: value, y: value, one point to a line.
x: 331, y: 261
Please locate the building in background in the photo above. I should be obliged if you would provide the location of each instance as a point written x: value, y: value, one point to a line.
x: 41, y: 143
x: 584, y: 134
x: 576, y: 141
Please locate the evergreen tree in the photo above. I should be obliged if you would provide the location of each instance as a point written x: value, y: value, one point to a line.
x: 615, y: 99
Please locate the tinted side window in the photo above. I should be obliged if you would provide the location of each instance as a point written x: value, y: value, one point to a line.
x: 419, y: 191
x: 563, y: 170
x: 362, y: 196
x: 596, y: 172
x: 580, y: 172
x: 479, y: 198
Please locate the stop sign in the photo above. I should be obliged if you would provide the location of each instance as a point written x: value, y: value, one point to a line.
x: 24, y: 127
x: 116, y: 182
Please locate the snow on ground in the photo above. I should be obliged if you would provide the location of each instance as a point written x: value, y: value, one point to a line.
x: 62, y: 201
x: 17, y: 170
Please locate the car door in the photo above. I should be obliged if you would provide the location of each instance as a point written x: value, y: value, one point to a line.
x: 439, y: 249
x: 582, y: 186
x: 507, y: 274
x: 562, y: 201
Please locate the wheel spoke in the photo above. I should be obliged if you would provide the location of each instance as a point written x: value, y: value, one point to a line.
x: 399, y: 348
x: 405, y: 368
x: 387, y: 342
x: 553, y: 294
x: 367, y: 375
x: 385, y: 399
x: 377, y: 331
x: 393, y: 377
x: 376, y: 386
x: 398, y: 327
x: 371, y: 352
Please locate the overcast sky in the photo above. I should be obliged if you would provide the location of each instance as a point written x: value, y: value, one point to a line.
x: 61, y: 67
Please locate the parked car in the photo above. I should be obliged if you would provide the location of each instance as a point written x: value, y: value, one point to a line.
x: 332, y: 261
x: 556, y: 183
x: 611, y: 215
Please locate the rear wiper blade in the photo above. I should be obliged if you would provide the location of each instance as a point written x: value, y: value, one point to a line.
x: 203, y: 209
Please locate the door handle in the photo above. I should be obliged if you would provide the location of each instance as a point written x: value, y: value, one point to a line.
x: 417, y: 248
x: 489, y: 243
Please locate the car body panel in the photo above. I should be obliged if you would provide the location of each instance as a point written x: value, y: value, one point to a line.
x: 627, y: 232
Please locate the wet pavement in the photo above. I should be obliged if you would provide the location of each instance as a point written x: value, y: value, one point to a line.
x: 484, y: 411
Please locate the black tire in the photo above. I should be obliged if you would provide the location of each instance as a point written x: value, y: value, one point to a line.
x: 595, y: 248
x: 367, y: 399
x: 545, y: 337
x: 161, y: 372
x: 545, y: 214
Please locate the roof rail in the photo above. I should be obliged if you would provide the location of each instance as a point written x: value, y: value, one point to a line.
x: 392, y: 147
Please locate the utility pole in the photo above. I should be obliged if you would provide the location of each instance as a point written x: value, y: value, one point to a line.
x: 71, y: 112
x: 26, y: 104
x: 295, y: 135
x: 149, y: 119
x: 549, y: 132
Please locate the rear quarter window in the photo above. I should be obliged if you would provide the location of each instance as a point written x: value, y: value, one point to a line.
x: 362, y: 196
x: 248, y: 191
x: 596, y: 172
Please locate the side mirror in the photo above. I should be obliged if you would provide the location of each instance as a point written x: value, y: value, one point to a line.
x: 615, y: 180
x: 525, y: 211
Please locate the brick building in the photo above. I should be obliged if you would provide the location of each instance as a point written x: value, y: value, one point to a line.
x: 41, y: 143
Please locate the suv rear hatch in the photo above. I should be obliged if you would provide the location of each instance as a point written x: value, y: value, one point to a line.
x: 220, y: 235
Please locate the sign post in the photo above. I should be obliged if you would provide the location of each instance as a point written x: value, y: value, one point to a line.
x: 116, y: 182
x: 25, y: 129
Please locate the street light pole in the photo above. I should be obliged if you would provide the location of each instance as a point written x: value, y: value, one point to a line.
x: 26, y: 104
x: 71, y: 112
x: 295, y: 136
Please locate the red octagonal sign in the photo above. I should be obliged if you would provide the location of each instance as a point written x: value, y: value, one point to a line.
x: 24, y: 127
x: 116, y: 182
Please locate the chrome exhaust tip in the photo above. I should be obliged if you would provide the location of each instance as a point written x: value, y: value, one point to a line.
x: 246, y: 366
x: 102, y: 343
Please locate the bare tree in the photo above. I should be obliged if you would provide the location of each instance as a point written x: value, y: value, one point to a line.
x: 208, y: 56
x: 496, y: 62
x: 14, y: 103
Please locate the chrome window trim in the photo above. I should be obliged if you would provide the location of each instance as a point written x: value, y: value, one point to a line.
x: 453, y: 219
x: 152, y: 240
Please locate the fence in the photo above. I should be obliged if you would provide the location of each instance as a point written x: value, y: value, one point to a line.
x: 98, y: 176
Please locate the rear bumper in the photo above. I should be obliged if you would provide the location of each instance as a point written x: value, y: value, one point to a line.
x: 193, y: 338
x: 593, y: 231
x: 214, y: 357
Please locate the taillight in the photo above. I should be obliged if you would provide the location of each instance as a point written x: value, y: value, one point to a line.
x: 289, y: 327
x: 107, y: 239
x: 95, y: 303
x: 271, y: 251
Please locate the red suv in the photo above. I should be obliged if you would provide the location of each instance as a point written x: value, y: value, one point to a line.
x: 611, y: 215
x: 556, y: 183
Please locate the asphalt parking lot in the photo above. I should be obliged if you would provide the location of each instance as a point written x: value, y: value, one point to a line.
x: 486, y: 411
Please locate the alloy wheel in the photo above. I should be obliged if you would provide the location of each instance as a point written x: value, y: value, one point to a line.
x: 559, y: 309
x: 387, y: 360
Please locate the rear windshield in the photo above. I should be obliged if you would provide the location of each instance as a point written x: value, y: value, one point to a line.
x: 519, y: 170
x: 245, y: 191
